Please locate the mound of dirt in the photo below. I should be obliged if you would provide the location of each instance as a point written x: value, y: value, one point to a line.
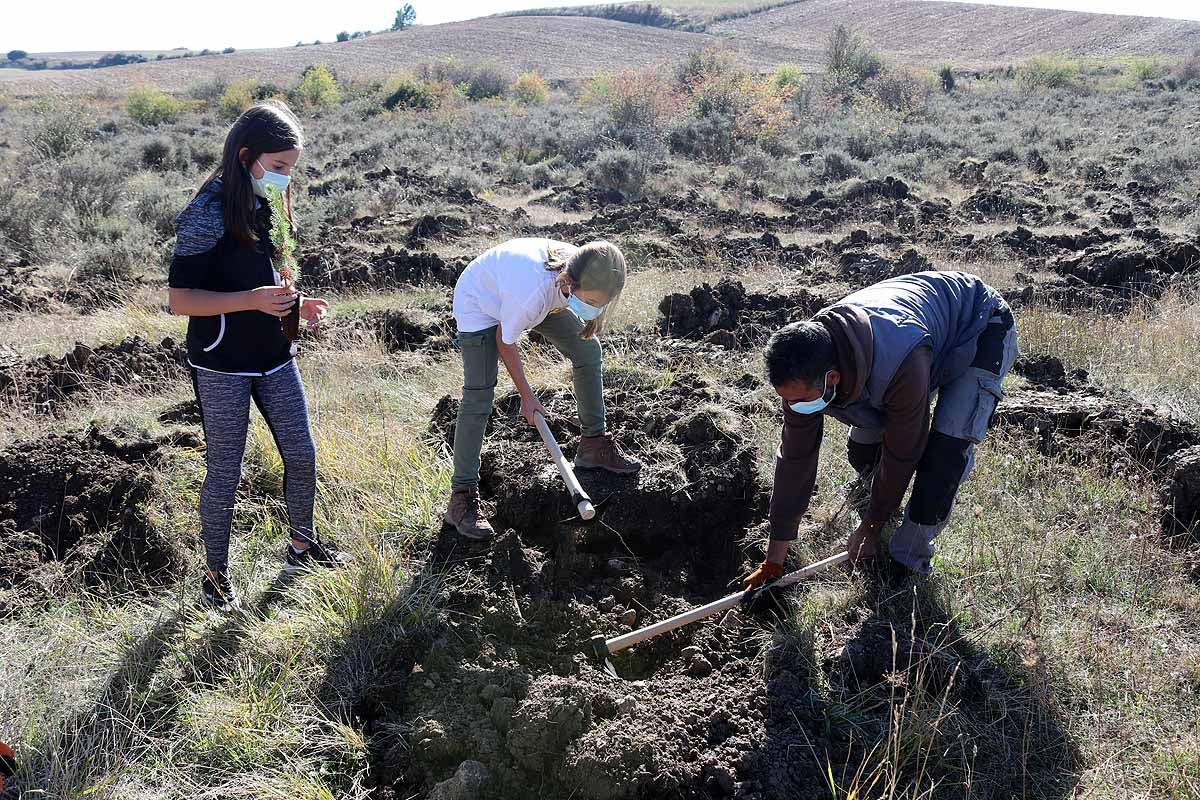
x: 508, y: 682
x: 863, y: 268
x: 1145, y: 442
x: 729, y: 316
x: 1023, y: 202
x: 1133, y: 268
x: 404, y: 329
x: 71, y: 509
x: 17, y: 290
x: 339, y: 267
x: 1044, y: 369
x: 1180, y: 494
x: 47, y: 382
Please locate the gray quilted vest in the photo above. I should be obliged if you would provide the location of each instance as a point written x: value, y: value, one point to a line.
x: 945, y: 310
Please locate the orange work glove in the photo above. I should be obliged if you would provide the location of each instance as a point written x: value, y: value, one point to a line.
x: 767, y: 571
x: 8, y: 764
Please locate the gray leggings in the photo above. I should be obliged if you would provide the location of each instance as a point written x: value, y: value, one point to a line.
x: 225, y: 411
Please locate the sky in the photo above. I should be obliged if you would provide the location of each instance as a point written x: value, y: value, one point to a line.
x: 152, y: 24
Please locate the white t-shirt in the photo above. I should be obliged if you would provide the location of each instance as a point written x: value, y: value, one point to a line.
x: 508, y: 286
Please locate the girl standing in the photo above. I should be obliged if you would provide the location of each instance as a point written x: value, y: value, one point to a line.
x: 223, y: 278
x: 561, y: 291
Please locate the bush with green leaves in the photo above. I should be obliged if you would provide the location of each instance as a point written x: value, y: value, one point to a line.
x: 237, y: 97
x: 1142, y: 69
x: 850, y: 60
x: 318, y: 88
x: 1047, y: 72
x: 530, y: 89
x: 150, y: 106
x: 789, y: 77
x: 60, y: 127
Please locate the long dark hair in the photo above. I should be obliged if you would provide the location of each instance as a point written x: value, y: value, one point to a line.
x: 268, y: 127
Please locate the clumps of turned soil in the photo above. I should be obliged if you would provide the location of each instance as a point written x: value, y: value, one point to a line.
x: 863, y: 268
x: 1044, y: 369
x: 1066, y: 418
x: 729, y: 316
x: 72, y: 510
x: 504, y: 695
x: 402, y: 329
x: 1141, y: 267
x: 507, y: 693
x: 45, y: 383
x: 18, y: 292
x: 1023, y: 202
x: 340, y: 266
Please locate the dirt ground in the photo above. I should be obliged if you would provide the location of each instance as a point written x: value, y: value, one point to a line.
x: 72, y: 506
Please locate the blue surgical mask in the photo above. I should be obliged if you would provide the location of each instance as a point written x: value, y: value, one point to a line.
x: 818, y: 405
x: 585, y: 312
x: 274, y: 180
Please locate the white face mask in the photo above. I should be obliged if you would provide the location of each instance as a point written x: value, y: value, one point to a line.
x: 274, y: 180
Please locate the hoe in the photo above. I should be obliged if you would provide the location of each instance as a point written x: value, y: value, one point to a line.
x: 578, y: 496
x: 603, y: 648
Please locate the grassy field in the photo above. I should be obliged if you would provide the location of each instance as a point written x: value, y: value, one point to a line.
x: 1055, y: 653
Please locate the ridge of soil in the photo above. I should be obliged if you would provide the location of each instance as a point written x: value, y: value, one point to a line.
x: 72, y: 509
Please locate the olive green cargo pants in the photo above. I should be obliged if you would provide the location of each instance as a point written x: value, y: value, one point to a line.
x: 481, y: 357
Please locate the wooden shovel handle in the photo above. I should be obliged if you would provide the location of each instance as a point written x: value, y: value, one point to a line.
x: 624, y: 641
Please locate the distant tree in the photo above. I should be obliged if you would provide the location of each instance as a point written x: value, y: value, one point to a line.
x: 228, y: 50
x: 344, y: 36
x: 17, y: 55
x: 404, y: 17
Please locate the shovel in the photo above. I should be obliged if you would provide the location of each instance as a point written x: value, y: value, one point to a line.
x: 578, y: 496
x: 603, y: 648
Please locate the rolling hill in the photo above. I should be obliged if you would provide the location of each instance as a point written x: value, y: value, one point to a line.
x: 917, y: 32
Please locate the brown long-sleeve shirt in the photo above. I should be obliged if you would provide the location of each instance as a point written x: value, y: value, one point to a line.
x: 906, y: 430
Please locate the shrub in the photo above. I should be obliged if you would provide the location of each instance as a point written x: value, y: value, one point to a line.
x: 850, y: 61
x: 405, y: 91
x: 530, y: 89
x: 470, y: 81
x: 91, y: 187
x: 318, y: 88
x: 59, y: 127
x: 789, y: 77
x: 228, y: 50
x: 1187, y: 72
x: 17, y: 55
x: 1047, y: 72
x: 1142, y: 69
x: 236, y: 98
x: 899, y: 90
x: 638, y: 105
x: 150, y: 106
x: 622, y: 170
x: 343, y: 36
x: 946, y: 78
x: 702, y: 65
x: 728, y: 109
x: 157, y: 154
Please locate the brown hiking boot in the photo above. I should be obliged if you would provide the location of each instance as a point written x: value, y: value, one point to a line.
x: 465, y: 516
x: 600, y: 452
